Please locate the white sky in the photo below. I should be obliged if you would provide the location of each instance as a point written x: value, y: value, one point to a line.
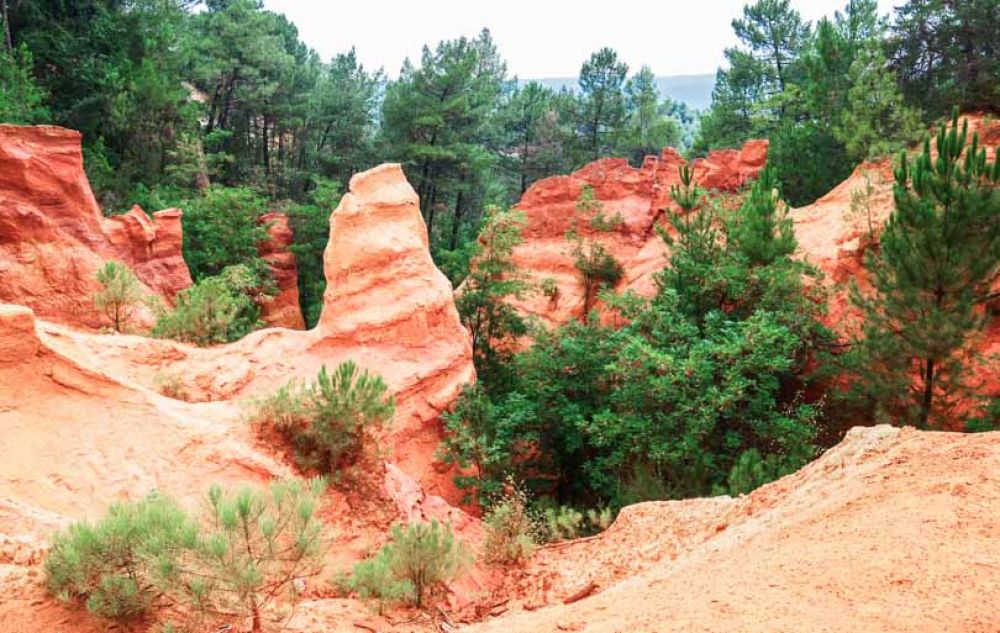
x: 538, y: 38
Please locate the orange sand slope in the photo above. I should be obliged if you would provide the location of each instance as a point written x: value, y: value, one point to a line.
x: 891, y: 530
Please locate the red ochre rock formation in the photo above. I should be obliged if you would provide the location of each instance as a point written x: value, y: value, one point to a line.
x: 83, y: 425
x: 53, y: 238
x: 283, y: 310
x: 640, y: 197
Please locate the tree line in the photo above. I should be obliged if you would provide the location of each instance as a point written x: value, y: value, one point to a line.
x: 178, y: 100
x: 851, y: 87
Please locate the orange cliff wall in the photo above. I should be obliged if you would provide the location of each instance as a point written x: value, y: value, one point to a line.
x: 53, y: 238
x: 641, y: 196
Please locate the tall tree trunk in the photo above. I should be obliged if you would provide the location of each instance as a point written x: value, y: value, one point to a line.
x: 458, y: 213
x: 925, y: 405
x: 430, y: 214
x: 266, y: 147
x: 6, y: 26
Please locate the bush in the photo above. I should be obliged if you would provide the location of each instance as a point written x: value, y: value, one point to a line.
x: 109, y: 566
x: 374, y: 579
x: 258, y: 543
x: 512, y: 531
x: 255, y: 546
x: 221, y: 229
x: 120, y: 295
x: 416, y: 564
x: 217, y: 309
x: 328, y: 422
x: 170, y: 385
x: 564, y: 523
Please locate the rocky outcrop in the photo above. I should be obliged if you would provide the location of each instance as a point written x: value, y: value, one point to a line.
x: 284, y: 309
x: 53, y: 238
x: 153, y: 247
x: 638, y: 197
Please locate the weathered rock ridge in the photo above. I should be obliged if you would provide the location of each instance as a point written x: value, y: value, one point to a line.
x: 640, y: 197
x: 53, y: 238
x: 284, y: 309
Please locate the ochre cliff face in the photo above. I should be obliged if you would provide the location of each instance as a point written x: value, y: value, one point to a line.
x: 284, y: 310
x: 53, y: 238
x: 640, y: 196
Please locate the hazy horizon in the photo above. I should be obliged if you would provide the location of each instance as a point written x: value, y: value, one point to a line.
x: 539, y: 40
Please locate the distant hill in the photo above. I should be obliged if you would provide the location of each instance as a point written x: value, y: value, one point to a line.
x: 694, y: 90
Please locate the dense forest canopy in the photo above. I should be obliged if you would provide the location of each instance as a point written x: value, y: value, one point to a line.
x: 715, y: 384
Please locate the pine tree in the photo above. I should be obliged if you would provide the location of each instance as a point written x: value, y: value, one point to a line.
x: 483, y: 305
x: 939, y: 255
x: 602, y: 101
x: 120, y: 294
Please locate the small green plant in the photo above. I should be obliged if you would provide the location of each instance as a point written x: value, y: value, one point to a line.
x: 374, y: 579
x: 120, y: 294
x: 419, y: 560
x: 861, y: 210
x: 170, y: 385
x: 751, y: 470
x: 110, y: 566
x: 257, y: 546
x: 249, y: 548
x: 598, y: 268
x: 549, y: 288
x: 564, y: 523
x: 329, y: 422
x: 512, y: 529
x: 217, y: 309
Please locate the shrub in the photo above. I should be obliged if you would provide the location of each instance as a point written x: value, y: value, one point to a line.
x: 217, y: 309
x: 256, y: 545
x: 328, y: 422
x: 564, y: 523
x: 120, y: 294
x: 512, y: 531
x: 374, y: 579
x: 221, y: 229
x: 752, y: 470
x: 416, y: 563
x: 109, y: 566
x: 170, y: 385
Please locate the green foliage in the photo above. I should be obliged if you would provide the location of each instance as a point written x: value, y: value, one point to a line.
x: 713, y: 366
x: 330, y: 421
x: 427, y: 556
x: 512, y: 529
x: 170, y: 385
x: 483, y: 303
x: 221, y: 229
x: 257, y: 544
x: 217, y: 309
x: 120, y: 294
x: 751, y: 470
x: 246, y: 551
x: 877, y: 121
x: 111, y: 566
x: 938, y: 256
x: 21, y: 100
x: 375, y: 579
x: 987, y: 420
x: 598, y: 268
x: 944, y: 53
x: 602, y: 101
x: 310, y: 223
x: 564, y: 523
